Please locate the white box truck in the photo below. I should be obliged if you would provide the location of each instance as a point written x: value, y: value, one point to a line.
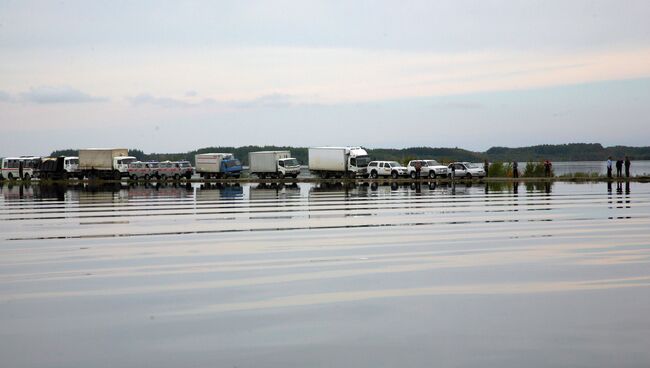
x: 273, y: 164
x: 105, y: 163
x: 338, y: 162
x: 217, y: 165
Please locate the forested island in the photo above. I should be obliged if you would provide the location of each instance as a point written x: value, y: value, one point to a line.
x: 553, y: 152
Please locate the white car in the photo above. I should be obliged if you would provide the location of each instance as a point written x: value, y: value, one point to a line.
x: 386, y: 168
x: 466, y: 170
x: 429, y: 168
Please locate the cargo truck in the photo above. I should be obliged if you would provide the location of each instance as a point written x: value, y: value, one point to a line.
x: 217, y: 165
x: 273, y: 164
x: 105, y: 163
x: 338, y: 162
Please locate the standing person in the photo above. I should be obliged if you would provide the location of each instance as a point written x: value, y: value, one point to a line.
x: 418, y: 169
x: 609, y: 167
x: 20, y: 170
x: 515, y: 170
x: 547, y: 168
x: 627, y: 166
x: 453, y: 171
x: 486, y: 167
x: 619, y: 168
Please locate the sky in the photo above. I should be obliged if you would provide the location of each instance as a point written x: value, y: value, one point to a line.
x: 176, y: 76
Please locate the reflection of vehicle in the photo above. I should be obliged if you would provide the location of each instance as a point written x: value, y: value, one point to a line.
x: 105, y: 163
x: 217, y: 191
x: 274, y: 164
x: 386, y: 168
x: 11, y: 167
x: 466, y: 170
x: 429, y: 168
x: 338, y: 162
x: 217, y: 165
x: 274, y: 191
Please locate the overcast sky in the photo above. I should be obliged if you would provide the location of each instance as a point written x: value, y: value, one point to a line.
x: 176, y: 76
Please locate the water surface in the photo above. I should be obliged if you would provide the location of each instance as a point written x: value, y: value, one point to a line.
x: 326, y: 275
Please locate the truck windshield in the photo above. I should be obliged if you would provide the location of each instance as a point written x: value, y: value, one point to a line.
x: 361, y: 161
x: 231, y: 163
x: 291, y: 162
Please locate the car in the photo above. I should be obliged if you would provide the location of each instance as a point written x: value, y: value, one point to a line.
x: 386, y: 168
x: 429, y: 168
x: 466, y: 170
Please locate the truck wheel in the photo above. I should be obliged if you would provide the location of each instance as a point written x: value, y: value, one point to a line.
x: 394, y: 175
x: 373, y: 174
x: 26, y: 177
x: 280, y: 175
x: 64, y: 176
x: 432, y: 174
x: 117, y: 175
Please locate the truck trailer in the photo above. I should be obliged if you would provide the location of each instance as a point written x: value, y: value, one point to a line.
x: 217, y: 165
x: 273, y: 164
x: 338, y: 162
x: 105, y: 163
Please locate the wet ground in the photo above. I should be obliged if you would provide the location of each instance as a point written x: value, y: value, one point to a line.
x: 326, y: 275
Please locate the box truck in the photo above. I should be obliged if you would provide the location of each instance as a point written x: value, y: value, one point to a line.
x: 338, y: 162
x: 273, y: 164
x: 217, y: 165
x: 104, y: 163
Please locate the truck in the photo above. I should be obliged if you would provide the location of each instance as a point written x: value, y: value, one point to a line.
x: 338, y: 162
x: 273, y: 164
x: 105, y: 163
x: 217, y: 165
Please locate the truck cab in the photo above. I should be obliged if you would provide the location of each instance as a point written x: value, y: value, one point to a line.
x: 288, y: 167
x: 358, y: 161
x: 71, y: 164
x: 121, y: 164
x: 231, y: 166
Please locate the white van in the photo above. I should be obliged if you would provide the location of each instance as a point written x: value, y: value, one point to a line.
x: 11, y: 167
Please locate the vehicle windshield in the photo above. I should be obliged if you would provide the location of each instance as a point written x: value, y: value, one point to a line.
x: 291, y: 162
x: 126, y: 161
x: 231, y: 163
x: 432, y: 163
x: 73, y: 162
x: 184, y: 164
x: 394, y: 164
x: 472, y: 166
x: 362, y: 161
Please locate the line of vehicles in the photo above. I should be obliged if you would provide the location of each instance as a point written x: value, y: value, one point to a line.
x: 324, y: 162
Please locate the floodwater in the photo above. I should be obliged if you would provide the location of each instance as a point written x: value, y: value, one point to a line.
x: 316, y: 275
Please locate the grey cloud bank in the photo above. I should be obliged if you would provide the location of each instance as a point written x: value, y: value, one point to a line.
x: 53, y: 95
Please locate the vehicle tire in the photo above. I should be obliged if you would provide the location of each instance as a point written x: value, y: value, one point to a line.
x: 134, y: 177
x: 468, y: 176
x: 26, y: 177
x: 432, y: 174
x: 64, y: 176
x: 280, y: 175
x: 146, y: 177
x: 10, y: 176
x: 162, y: 177
x: 413, y: 175
x: 177, y: 177
x: 394, y: 175
x: 188, y: 176
x: 117, y: 175
x: 80, y: 177
x: 373, y: 174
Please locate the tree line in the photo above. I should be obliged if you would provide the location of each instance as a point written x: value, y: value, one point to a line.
x: 553, y: 152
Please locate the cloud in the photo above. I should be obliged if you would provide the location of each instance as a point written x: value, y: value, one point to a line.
x: 270, y: 100
x: 167, y: 102
x: 4, y: 96
x: 53, y: 95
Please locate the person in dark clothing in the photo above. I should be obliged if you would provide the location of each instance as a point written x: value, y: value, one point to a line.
x: 418, y: 169
x: 20, y: 169
x: 627, y: 166
x: 619, y: 168
x: 515, y: 169
x: 547, y: 168
x: 486, y: 166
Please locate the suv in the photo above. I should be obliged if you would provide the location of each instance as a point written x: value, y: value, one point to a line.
x: 466, y: 170
x: 430, y: 168
x: 386, y: 168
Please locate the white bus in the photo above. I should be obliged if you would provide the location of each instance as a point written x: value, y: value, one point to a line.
x: 11, y: 167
